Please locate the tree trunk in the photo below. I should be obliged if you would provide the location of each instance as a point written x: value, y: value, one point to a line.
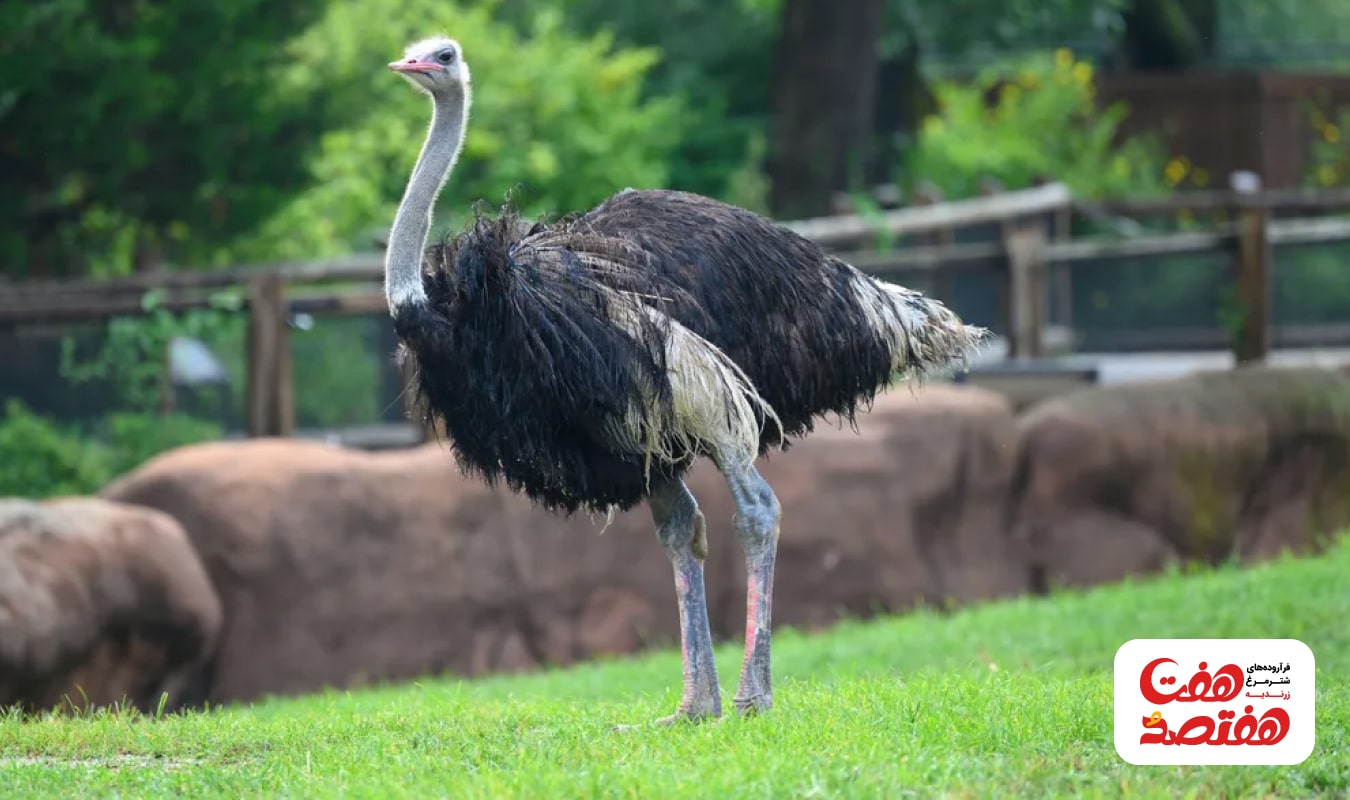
x: 903, y: 100
x: 822, y: 97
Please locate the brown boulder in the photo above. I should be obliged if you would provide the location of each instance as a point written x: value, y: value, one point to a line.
x: 101, y: 603
x: 337, y: 567
x: 1121, y: 480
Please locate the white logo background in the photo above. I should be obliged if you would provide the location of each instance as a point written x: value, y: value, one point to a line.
x: 1215, y: 701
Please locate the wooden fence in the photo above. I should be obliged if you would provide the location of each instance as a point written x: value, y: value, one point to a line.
x: 1033, y: 247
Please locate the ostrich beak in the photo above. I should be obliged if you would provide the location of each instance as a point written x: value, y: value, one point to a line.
x: 413, y: 66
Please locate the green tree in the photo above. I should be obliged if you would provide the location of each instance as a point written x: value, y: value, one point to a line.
x: 122, y: 125
x: 876, y: 70
x: 561, y: 121
x: 995, y: 125
x: 715, y: 56
x: 39, y: 458
x: 1284, y: 34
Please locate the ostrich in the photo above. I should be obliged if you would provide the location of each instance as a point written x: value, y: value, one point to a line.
x: 588, y: 362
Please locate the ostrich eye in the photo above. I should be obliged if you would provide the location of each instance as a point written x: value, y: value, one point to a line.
x: 446, y: 56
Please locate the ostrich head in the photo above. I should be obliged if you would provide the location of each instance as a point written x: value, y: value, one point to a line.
x: 435, y: 66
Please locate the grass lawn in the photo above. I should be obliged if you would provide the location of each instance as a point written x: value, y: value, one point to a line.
x: 1008, y: 699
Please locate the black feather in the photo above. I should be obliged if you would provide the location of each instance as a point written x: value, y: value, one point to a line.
x: 523, y: 365
x: 775, y: 302
x: 517, y: 356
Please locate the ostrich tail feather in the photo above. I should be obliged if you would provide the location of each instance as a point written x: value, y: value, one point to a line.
x: 925, y: 336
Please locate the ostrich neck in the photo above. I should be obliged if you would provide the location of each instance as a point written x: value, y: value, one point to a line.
x: 412, y: 224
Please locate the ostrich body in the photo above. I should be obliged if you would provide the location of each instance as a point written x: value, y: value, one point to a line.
x: 589, y: 362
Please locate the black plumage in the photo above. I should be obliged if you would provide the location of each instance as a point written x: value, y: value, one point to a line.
x: 520, y: 359
x: 775, y: 302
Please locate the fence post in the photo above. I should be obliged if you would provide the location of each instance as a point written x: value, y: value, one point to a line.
x: 1251, y: 343
x: 1062, y: 226
x: 1024, y: 242
x: 271, y: 394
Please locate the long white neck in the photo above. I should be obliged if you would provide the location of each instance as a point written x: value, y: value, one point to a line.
x: 412, y: 224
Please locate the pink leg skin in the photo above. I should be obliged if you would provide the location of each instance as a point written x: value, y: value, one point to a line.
x: 757, y: 523
x: 702, y: 696
x: 680, y: 529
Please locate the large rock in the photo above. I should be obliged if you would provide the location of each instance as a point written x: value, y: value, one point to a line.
x: 1121, y: 480
x: 338, y: 567
x: 101, y: 603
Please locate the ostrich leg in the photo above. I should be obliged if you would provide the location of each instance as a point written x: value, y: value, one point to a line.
x: 757, y: 518
x: 680, y: 529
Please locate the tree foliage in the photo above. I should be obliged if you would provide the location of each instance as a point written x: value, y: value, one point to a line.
x: 559, y: 120
x: 40, y: 457
x: 986, y: 29
x: 970, y: 137
x: 123, y: 124
x: 1284, y: 33
x: 201, y: 133
x: 716, y: 57
x: 134, y: 131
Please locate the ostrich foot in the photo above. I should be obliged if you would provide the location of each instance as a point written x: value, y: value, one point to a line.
x: 680, y: 717
x: 700, y: 702
x: 748, y: 705
x: 698, y: 706
x: 669, y: 721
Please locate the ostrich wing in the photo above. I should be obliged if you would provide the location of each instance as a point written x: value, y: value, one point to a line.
x: 710, y: 404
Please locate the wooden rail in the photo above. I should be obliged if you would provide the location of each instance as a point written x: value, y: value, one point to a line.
x: 1032, y: 252
x: 1288, y: 201
x: 1296, y: 201
x: 853, y: 230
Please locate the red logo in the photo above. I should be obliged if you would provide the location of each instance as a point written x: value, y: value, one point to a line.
x: 1220, y: 728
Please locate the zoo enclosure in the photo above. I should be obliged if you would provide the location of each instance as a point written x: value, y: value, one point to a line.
x: 1033, y: 253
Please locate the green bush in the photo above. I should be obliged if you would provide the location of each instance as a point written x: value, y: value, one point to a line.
x: 143, y: 128
x: 132, y: 439
x: 1045, y: 123
x: 716, y: 57
x: 558, y: 119
x: 39, y: 458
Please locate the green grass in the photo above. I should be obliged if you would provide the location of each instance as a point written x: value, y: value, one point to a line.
x: 1007, y: 699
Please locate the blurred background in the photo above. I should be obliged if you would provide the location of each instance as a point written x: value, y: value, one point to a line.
x: 147, y: 138
x: 193, y: 198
